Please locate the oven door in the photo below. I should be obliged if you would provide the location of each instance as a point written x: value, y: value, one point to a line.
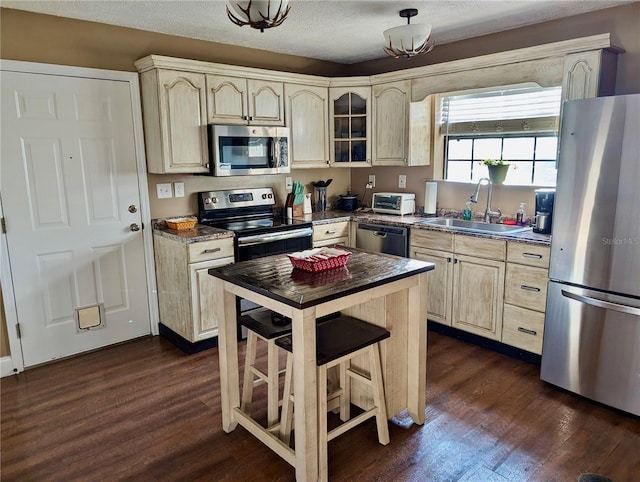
x: 244, y: 150
x: 280, y: 242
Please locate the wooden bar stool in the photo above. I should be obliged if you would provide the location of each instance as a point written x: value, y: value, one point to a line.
x: 261, y: 327
x: 338, y: 341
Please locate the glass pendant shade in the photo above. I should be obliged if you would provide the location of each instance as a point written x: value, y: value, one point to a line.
x: 260, y: 14
x: 407, y: 40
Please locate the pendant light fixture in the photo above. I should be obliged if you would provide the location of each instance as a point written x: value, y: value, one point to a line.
x: 410, y: 39
x: 260, y: 14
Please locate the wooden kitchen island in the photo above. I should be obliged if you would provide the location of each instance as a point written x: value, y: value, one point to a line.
x: 385, y: 290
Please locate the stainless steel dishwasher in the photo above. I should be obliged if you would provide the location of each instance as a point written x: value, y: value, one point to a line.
x: 383, y: 239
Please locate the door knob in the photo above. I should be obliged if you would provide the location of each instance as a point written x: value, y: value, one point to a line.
x: 134, y: 227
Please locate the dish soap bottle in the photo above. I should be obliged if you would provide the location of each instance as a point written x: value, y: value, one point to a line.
x: 521, y: 218
x: 466, y: 214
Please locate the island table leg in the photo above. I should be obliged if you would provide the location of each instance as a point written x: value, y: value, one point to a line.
x: 417, y: 350
x: 228, y: 353
x: 305, y: 394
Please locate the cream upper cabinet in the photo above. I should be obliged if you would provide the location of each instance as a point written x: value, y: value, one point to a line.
x: 307, y: 114
x: 175, y: 121
x: 350, y: 115
x: 391, y: 123
x: 236, y: 100
x: 421, y: 131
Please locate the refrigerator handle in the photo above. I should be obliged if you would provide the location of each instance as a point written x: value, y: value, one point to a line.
x: 601, y: 303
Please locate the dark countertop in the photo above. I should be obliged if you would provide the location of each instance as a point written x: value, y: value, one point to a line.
x: 206, y: 233
x: 413, y: 221
x: 199, y: 233
x: 275, y: 277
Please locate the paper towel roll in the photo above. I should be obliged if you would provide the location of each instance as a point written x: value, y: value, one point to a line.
x: 430, y: 197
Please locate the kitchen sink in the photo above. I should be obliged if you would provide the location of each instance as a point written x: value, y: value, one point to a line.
x: 474, y: 226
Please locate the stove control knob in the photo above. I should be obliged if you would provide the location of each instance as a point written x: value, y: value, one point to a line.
x: 270, y: 196
x: 207, y: 200
x: 214, y: 200
x: 264, y: 196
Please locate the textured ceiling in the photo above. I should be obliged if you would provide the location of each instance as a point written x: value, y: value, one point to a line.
x: 333, y: 30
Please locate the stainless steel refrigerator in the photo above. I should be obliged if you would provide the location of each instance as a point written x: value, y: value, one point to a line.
x: 591, y: 340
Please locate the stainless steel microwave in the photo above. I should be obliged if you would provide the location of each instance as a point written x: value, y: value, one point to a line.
x: 248, y: 150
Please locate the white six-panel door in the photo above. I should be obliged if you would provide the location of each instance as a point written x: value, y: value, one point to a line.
x: 71, y: 200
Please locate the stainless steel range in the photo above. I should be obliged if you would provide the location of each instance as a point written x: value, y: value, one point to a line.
x: 250, y: 214
x: 259, y: 230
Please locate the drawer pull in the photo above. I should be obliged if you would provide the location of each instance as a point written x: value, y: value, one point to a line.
x: 331, y: 231
x: 528, y: 332
x: 211, y: 250
x: 530, y: 288
x: 532, y: 255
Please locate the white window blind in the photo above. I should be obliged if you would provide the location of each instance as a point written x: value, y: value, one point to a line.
x: 515, y: 110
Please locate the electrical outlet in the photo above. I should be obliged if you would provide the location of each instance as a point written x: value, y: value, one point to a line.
x: 402, y: 181
x: 288, y: 183
x: 372, y: 180
x: 164, y: 190
x: 179, y: 189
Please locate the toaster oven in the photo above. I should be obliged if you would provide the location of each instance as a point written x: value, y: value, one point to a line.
x: 394, y: 203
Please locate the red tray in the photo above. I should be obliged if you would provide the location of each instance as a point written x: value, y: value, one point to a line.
x: 323, y: 260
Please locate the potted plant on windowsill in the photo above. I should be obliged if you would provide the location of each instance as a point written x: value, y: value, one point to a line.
x: 497, y: 169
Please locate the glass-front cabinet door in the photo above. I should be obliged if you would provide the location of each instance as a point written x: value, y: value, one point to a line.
x: 351, y: 129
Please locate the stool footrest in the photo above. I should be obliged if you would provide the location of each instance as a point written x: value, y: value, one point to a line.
x: 348, y: 425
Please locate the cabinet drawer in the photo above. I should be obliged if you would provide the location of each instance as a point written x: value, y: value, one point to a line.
x: 529, y: 254
x: 322, y: 232
x: 526, y: 286
x: 522, y: 328
x: 205, y: 250
x: 480, y: 247
x: 331, y: 242
x: 431, y: 240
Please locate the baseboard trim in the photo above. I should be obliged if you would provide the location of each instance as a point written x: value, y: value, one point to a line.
x: 6, y: 367
x: 485, y: 342
x: 185, y: 345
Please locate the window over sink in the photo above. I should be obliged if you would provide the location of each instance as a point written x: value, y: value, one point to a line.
x: 516, y: 124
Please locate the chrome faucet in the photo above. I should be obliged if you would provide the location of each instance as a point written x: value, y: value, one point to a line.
x: 488, y: 213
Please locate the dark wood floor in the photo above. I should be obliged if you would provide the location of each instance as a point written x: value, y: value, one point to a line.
x: 145, y: 411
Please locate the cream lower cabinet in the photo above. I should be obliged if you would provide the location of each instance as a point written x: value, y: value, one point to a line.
x: 184, y: 298
x: 466, y: 288
x: 329, y: 234
x: 526, y: 281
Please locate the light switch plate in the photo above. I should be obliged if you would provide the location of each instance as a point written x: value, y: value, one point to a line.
x: 179, y: 189
x: 164, y: 190
x: 402, y: 181
x: 372, y: 180
x: 288, y: 183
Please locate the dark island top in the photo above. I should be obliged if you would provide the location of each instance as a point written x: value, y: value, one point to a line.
x: 276, y: 278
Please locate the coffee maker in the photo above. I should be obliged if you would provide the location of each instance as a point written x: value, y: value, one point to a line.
x: 544, y: 210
